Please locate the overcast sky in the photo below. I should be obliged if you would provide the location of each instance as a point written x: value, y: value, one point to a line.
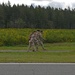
x: 53, y: 3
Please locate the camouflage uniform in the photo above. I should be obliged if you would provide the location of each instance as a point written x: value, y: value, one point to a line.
x: 33, y: 42
x: 36, y: 40
x: 40, y: 38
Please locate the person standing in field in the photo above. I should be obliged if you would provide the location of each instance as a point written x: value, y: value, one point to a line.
x: 35, y: 40
x: 40, y: 38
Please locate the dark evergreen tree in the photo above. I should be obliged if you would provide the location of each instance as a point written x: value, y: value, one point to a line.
x: 23, y: 16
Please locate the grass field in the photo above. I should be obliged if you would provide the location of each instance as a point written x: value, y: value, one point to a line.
x: 17, y: 39
x: 48, y: 46
x: 56, y: 52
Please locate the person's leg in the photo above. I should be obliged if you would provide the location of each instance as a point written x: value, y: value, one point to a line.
x: 29, y: 47
x: 42, y: 45
x: 34, y: 46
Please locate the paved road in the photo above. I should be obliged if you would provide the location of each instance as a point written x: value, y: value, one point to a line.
x: 37, y: 69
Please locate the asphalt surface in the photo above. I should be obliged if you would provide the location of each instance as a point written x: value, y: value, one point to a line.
x: 37, y: 69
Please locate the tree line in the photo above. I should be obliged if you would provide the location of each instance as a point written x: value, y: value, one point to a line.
x: 23, y: 16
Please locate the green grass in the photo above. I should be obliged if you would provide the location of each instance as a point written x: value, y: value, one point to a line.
x: 50, y: 56
x: 37, y: 57
x: 48, y: 46
x: 13, y: 47
x: 60, y: 46
x: 17, y: 39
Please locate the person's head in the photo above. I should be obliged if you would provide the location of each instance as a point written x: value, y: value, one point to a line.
x: 39, y: 30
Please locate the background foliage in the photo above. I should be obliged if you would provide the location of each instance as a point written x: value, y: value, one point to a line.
x: 21, y: 36
x: 23, y: 16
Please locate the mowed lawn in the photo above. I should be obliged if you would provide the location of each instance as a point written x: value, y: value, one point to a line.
x: 55, y: 53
